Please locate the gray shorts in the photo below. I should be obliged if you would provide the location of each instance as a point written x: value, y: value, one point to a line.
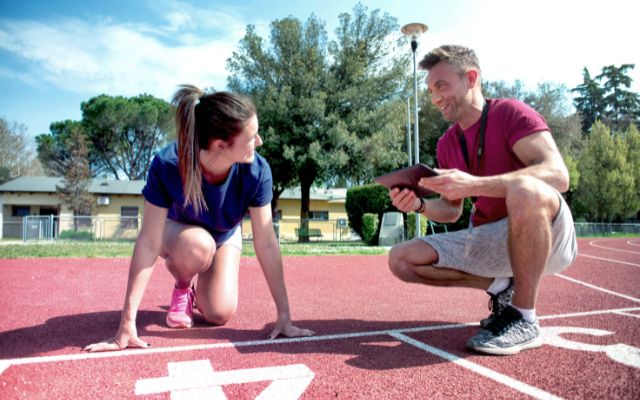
x: 234, y: 240
x: 482, y: 251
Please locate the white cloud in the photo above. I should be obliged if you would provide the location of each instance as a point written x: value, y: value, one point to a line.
x: 93, y: 57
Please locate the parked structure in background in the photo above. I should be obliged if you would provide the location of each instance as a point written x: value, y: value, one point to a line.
x: 31, y: 209
x: 327, y: 216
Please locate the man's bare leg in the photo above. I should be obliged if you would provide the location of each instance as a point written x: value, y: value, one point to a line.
x: 531, y: 206
x: 413, y: 261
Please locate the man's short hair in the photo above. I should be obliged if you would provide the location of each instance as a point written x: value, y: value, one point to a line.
x: 461, y: 57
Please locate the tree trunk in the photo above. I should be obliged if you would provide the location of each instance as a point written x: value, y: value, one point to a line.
x: 305, y: 190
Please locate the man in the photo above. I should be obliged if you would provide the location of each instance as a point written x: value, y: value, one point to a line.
x: 500, y: 153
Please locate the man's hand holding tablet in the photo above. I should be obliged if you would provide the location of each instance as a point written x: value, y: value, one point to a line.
x: 409, y: 178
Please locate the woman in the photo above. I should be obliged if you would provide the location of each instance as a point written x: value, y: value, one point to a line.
x: 197, y: 193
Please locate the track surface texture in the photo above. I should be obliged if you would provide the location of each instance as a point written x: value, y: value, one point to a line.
x: 376, y: 337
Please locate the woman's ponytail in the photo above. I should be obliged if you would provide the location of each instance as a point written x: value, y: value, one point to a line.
x: 185, y: 101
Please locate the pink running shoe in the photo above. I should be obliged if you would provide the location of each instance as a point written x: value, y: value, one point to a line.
x: 181, y: 310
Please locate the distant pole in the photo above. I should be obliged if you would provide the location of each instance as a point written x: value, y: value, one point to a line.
x: 409, y: 131
x: 414, y: 30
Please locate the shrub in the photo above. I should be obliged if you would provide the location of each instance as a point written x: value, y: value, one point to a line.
x: 370, y: 224
x: 411, y: 225
x: 372, y: 199
x: 76, y: 235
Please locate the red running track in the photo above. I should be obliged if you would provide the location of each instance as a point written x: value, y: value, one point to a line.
x: 377, y: 338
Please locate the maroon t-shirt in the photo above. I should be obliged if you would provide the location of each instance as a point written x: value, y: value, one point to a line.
x: 508, y: 121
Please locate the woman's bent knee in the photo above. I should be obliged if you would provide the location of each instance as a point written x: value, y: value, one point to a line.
x: 218, y: 317
x: 195, y: 255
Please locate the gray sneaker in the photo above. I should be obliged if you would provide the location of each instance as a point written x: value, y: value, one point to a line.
x: 498, y: 302
x: 507, y: 334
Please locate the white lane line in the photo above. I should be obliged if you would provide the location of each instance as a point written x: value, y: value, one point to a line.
x: 593, y: 243
x: 627, y: 314
x: 589, y: 313
x: 632, y: 243
x: 341, y: 336
x: 610, y: 260
x: 196, y: 347
x: 480, y: 370
x: 624, y: 296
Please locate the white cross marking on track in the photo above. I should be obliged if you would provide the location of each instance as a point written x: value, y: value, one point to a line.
x: 198, y: 380
x: 620, y: 352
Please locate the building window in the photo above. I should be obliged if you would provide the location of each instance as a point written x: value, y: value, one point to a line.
x: 48, y: 211
x: 129, y: 217
x: 319, y: 215
x: 20, y: 211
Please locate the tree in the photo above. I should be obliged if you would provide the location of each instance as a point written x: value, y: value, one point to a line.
x: 632, y: 138
x: 503, y: 89
x: 125, y: 133
x: 75, y: 186
x: 53, y: 153
x: 610, y: 102
x: 324, y: 108
x: 367, y: 80
x: 574, y: 178
x: 122, y: 135
x: 431, y: 127
x: 590, y: 101
x: 607, y: 183
x: 287, y: 83
x: 16, y: 159
x: 622, y: 106
x: 551, y: 100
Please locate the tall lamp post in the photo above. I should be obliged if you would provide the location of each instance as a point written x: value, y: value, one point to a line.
x: 414, y: 30
x: 410, y: 158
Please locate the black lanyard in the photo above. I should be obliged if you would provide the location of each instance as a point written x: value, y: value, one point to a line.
x: 463, y: 142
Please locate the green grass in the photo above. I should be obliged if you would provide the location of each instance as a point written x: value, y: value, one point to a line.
x: 100, y: 249
x: 108, y: 249
x: 67, y: 249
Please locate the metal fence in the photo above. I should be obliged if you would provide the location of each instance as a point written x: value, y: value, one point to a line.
x: 605, y: 229
x: 53, y: 227
x: 290, y: 230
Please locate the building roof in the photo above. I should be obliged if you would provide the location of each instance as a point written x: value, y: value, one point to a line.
x: 47, y: 184
x: 331, y: 195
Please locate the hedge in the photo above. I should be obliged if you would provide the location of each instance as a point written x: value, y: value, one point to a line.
x: 373, y: 199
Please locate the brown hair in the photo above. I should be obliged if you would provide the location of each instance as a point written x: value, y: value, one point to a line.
x: 201, y: 118
x: 461, y: 57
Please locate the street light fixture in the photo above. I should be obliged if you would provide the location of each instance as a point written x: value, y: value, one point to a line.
x: 414, y: 30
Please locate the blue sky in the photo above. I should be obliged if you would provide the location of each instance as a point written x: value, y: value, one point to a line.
x: 56, y: 54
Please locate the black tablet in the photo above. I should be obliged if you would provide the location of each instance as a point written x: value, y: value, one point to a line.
x: 408, y: 178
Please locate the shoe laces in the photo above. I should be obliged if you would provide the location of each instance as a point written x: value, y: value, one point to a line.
x: 493, y: 301
x: 180, y: 300
x: 504, y: 320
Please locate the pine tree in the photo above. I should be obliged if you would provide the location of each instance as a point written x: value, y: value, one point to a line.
x: 590, y: 102
x: 622, y: 105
